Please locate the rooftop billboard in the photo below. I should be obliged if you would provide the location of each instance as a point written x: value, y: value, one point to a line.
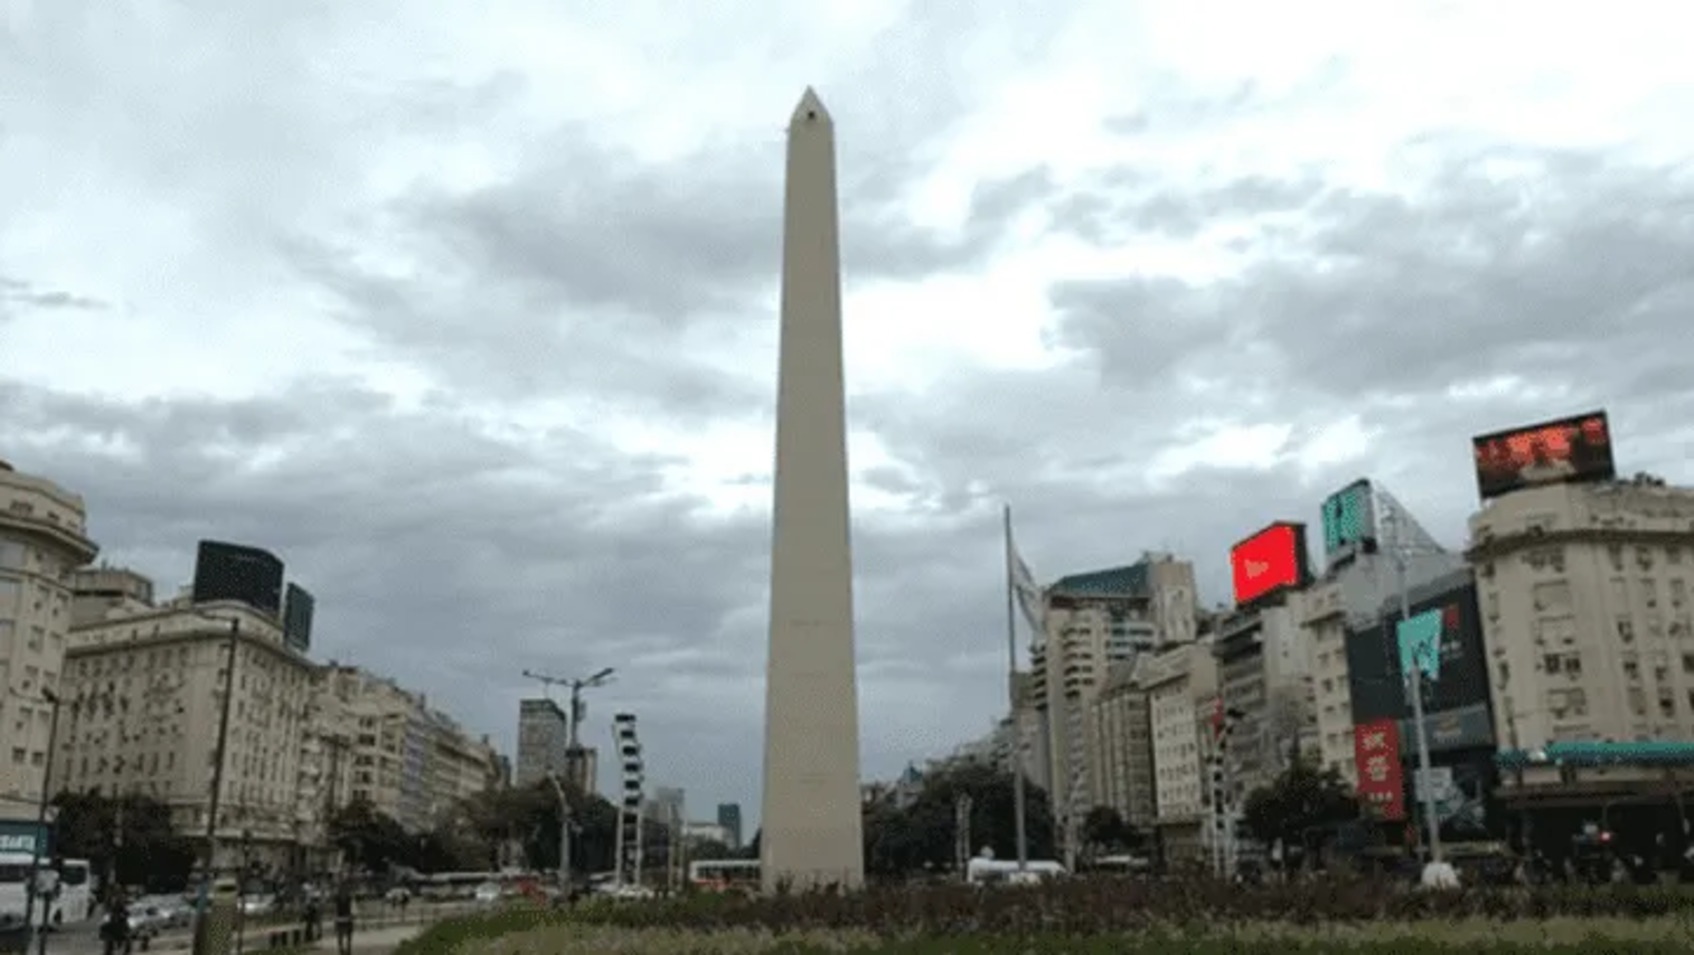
x: 297, y: 618
x: 1272, y: 560
x: 224, y: 571
x: 1349, y: 522
x: 1565, y: 451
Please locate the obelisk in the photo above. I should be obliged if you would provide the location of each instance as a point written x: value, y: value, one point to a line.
x: 810, y: 825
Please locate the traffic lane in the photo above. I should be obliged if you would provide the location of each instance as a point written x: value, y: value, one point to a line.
x: 83, y: 938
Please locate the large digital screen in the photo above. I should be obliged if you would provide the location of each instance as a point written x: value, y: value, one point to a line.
x: 1554, y: 452
x: 297, y: 613
x: 225, y: 571
x: 1349, y: 521
x: 1269, y: 561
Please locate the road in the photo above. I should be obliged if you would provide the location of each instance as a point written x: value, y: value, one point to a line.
x: 380, y: 927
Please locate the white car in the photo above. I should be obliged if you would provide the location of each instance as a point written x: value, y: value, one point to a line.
x: 257, y: 904
x: 488, y: 893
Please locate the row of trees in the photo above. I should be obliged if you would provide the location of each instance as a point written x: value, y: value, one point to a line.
x: 132, y: 838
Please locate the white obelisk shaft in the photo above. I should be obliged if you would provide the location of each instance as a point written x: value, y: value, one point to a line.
x: 811, y: 826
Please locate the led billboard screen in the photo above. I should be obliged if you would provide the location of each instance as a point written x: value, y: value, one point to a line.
x: 1269, y: 561
x: 236, y: 572
x: 297, y: 618
x: 1349, y: 521
x: 1554, y: 452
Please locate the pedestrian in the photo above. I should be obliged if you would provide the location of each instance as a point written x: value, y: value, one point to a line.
x: 114, y: 931
x: 344, y: 919
x: 314, y: 916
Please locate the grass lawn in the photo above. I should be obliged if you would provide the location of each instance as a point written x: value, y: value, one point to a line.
x: 1647, y: 937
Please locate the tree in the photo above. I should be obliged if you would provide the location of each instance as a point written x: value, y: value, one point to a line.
x: 529, y: 816
x: 370, y: 838
x: 931, y: 822
x: 129, y: 838
x: 1302, y: 798
x: 1104, y: 828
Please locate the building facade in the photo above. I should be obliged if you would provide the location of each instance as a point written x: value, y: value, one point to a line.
x: 1587, y: 604
x: 1120, y: 747
x: 1181, y: 686
x: 729, y: 817
x: 1264, y: 672
x: 543, y: 740
x: 43, y: 539
x: 144, y: 694
x: 1091, y: 622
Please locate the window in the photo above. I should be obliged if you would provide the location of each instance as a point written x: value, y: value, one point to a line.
x: 1626, y: 631
x: 13, y: 556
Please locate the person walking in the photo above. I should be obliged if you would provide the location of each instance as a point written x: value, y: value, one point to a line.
x: 114, y: 931
x: 344, y: 919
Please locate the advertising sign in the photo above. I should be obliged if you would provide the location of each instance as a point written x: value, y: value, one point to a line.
x: 1419, y: 640
x: 1554, y: 452
x: 1349, y: 521
x: 20, y: 836
x: 297, y: 611
x: 1272, y: 559
x: 1376, y: 753
x: 224, y: 571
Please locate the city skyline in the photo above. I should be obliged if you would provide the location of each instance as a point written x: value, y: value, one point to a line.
x: 394, y: 317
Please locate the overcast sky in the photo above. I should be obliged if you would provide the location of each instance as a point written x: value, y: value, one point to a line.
x: 470, y: 315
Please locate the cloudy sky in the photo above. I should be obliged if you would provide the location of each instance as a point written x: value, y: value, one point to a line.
x: 469, y: 316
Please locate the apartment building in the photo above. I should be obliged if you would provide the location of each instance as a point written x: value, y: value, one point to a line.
x: 544, y: 736
x: 1362, y: 573
x: 1585, y: 593
x: 143, y: 693
x: 1264, y: 671
x: 1181, y: 686
x: 1120, y: 746
x: 43, y: 539
x: 409, y: 761
x: 1090, y: 622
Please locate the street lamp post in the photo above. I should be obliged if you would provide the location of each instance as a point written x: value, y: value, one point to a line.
x: 572, y: 751
x: 564, y: 834
x: 1415, y: 678
x: 216, y: 794
x: 41, y: 835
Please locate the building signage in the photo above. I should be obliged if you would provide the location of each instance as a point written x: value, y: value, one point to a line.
x: 1553, y: 452
x: 1376, y: 753
x: 18, y: 836
x: 1464, y: 727
x: 1269, y: 561
x: 1349, y: 521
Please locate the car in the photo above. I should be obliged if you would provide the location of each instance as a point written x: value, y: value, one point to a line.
x: 258, y: 904
x: 399, y: 895
x: 488, y: 893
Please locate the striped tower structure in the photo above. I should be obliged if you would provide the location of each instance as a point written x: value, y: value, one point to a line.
x: 628, y: 862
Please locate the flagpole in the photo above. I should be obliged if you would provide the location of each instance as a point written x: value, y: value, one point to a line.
x: 1018, y: 807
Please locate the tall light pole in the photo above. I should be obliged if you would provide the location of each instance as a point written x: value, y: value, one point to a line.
x: 1425, y: 783
x: 41, y: 803
x: 216, y: 794
x: 572, y: 751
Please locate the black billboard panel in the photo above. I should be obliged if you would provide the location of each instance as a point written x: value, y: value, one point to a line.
x: 1374, y: 673
x: 1565, y: 451
x: 224, y: 571
x: 297, y: 618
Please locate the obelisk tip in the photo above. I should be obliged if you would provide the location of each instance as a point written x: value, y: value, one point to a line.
x: 810, y: 109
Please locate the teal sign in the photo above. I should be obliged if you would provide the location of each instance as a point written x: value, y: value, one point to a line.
x: 1419, y: 638
x: 1349, y: 520
x: 21, y: 836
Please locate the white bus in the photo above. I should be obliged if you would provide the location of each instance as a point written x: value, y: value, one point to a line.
x: 984, y: 871
x: 67, y: 892
x: 724, y: 875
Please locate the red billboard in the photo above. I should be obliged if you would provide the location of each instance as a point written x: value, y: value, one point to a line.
x: 1376, y: 754
x: 1268, y: 561
x: 1553, y: 452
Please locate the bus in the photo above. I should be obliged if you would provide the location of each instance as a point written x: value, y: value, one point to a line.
x: 984, y: 871
x: 66, y: 889
x: 724, y: 875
